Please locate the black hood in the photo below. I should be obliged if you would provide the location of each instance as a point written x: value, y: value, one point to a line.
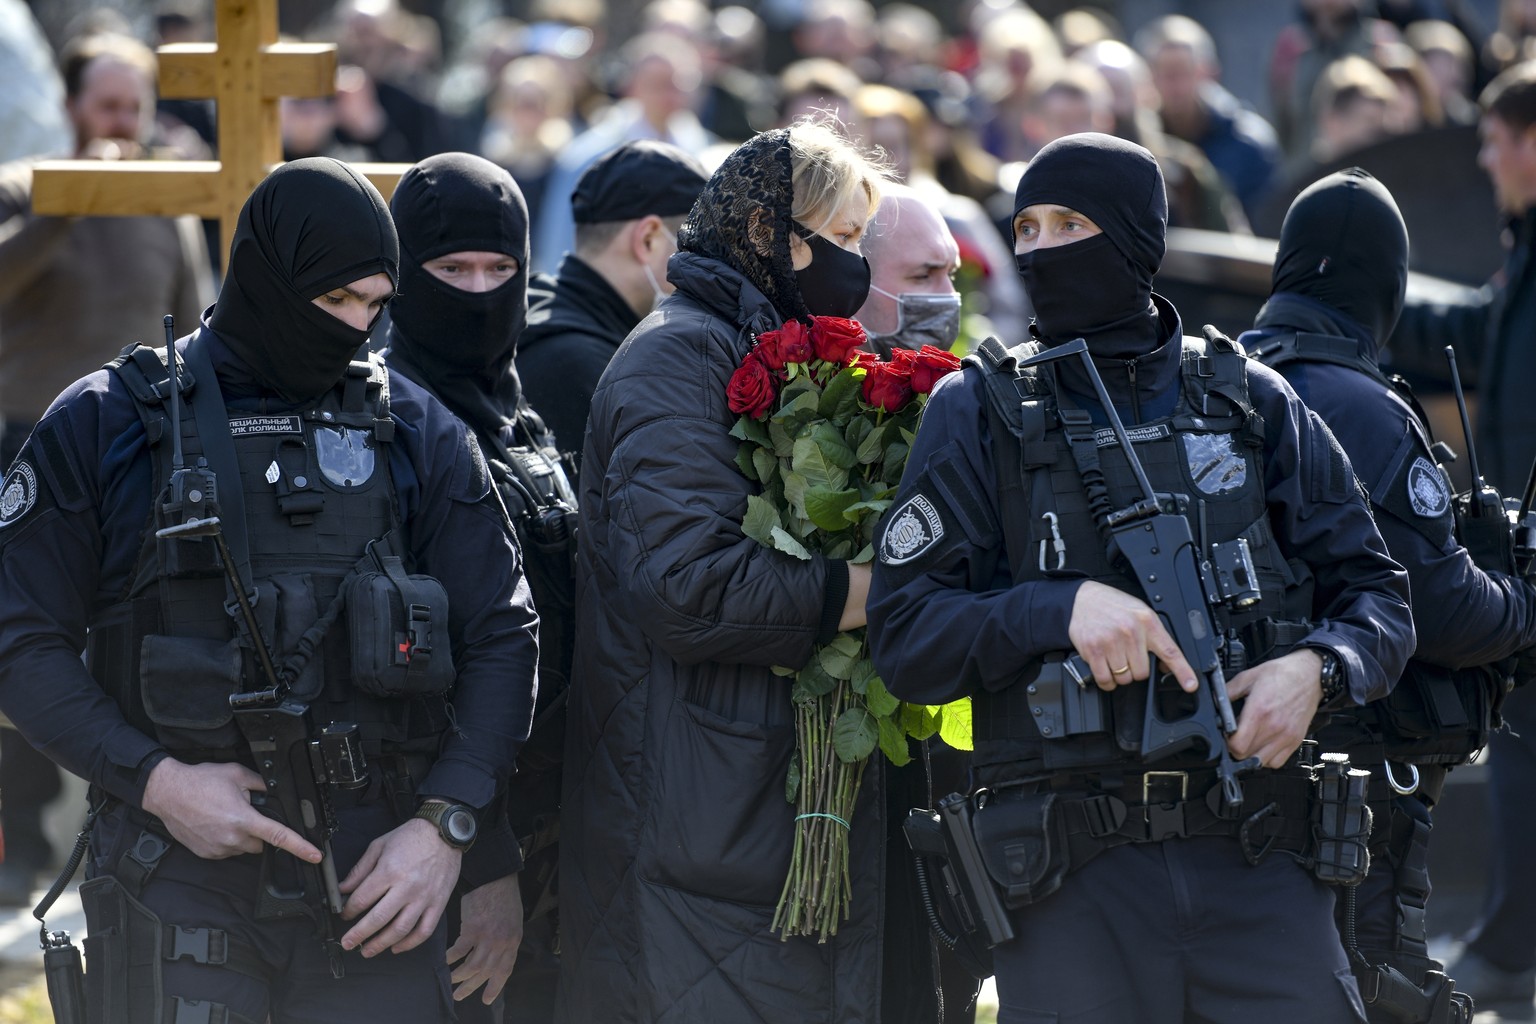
x: 1344, y: 245
x: 309, y: 227
x: 460, y: 344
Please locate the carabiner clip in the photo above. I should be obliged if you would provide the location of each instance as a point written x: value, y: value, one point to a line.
x: 1055, y: 542
x: 1398, y: 787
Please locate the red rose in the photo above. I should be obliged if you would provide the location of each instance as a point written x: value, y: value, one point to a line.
x: 788, y: 344
x: 888, y: 386
x: 753, y: 388
x: 929, y: 364
x: 835, y: 337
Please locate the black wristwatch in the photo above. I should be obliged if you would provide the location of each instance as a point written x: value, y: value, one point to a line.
x: 1332, y: 678
x: 456, y: 823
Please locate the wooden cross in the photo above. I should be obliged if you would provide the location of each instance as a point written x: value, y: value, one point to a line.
x: 246, y: 72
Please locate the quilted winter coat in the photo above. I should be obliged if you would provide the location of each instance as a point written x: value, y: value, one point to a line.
x: 676, y: 835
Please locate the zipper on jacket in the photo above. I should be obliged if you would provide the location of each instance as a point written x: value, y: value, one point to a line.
x: 1130, y: 371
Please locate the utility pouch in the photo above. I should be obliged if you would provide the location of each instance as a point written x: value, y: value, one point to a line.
x: 398, y: 628
x: 1435, y: 715
x: 1341, y: 821
x: 122, y: 955
x: 187, y: 682
x: 1023, y: 843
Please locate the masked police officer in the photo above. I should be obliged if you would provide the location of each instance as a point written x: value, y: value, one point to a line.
x: 1143, y: 889
x: 454, y: 329
x: 1339, y: 281
x: 309, y: 593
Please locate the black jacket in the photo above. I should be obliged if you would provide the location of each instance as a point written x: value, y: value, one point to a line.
x: 1492, y: 336
x: 576, y: 322
x: 675, y: 833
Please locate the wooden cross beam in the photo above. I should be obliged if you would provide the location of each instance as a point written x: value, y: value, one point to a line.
x: 246, y: 72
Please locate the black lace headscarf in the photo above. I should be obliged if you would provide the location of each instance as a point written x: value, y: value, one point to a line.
x: 743, y: 218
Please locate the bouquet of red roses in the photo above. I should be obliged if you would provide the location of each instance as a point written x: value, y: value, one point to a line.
x: 825, y: 429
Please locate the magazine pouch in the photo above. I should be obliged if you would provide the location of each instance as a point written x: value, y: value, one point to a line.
x: 187, y: 682
x: 398, y: 627
x: 1023, y: 841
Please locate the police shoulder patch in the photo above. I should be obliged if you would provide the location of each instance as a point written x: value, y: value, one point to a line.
x: 913, y: 528
x: 1428, y: 493
x: 18, y: 493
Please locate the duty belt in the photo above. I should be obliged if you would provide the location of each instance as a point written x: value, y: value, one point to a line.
x: 1149, y: 807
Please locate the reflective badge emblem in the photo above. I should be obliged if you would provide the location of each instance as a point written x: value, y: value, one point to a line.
x: 17, y: 494
x: 1215, y: 465
x: 1428, y: 492
x: 344, y: 455
x: 914, y: 528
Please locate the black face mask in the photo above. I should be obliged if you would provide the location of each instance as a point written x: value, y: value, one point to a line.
x: 310, y: 226
x: 837, y: 281
x: 1088, y: 289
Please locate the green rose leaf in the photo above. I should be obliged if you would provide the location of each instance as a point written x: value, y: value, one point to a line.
x: 895, y: 459
x: 796, y: 411
x: 782, y: 670
x: 820, y: 469
x: 780, y: 439
x: 854, y: 735
x: 840, y: 548
x: 840, y: 400
x: 878, y: 699
x: 919, y: 720
x: 955, y: 724
x: 761, y: 520
x: 858, y: 510
x: 893, y: 742
x: 792, y: 780
x: 840, y: 656
x: 764, y: 463
x: 833, y: 445
x: 786, y: 543
x: 857, y: 431
x: 744, y: 461
x: 826, y: 507
x: 866, y: 554
x: 749, y: 429
x: 815, y: 680
x: 863, y: 672
x: 871, y: 447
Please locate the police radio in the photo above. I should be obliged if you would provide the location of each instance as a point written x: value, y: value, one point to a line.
x: 1482, y: 523
x: 192, y: 493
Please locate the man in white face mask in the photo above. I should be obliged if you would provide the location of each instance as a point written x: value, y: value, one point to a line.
x: 628, y: 206
x: 912, y: 260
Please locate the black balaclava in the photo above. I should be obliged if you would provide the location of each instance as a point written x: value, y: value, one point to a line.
x: 460, y: 344
x: 1100, y: 288
x: 309, y: 227
x: 743, y: 218
x: 1343, y: 244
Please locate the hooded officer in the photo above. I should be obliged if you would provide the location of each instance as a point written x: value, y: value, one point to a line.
x: 348, y: 499
x: 1339, y: 282
x: 1135, y: 899
x: 454, y: 329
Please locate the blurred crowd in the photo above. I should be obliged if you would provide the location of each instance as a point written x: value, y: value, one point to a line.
x: 957, y: 99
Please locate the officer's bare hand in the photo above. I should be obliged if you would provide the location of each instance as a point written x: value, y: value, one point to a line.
x: 1282, y: 698
x: 490, y: 932
x: 207, y: 808
x: 399, y: 889
x: 1114, y: 632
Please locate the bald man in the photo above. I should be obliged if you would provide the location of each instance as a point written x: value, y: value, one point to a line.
x: 912, y: 261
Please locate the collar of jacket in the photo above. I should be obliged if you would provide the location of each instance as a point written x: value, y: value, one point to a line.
x: 1157, y: 372
x: 577, y: 298
x: 722, y: 290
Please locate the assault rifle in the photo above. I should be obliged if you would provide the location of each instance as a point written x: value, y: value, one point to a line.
x: 1180, y: 585
x: 298, y: 762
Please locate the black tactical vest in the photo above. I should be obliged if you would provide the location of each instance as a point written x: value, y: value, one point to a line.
x: 1204, y: 461
x: 532, y: 480
x: 1433, y: 715
x: 316, y: 490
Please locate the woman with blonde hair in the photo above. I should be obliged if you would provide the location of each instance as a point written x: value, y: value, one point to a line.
x: 676, y: 835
